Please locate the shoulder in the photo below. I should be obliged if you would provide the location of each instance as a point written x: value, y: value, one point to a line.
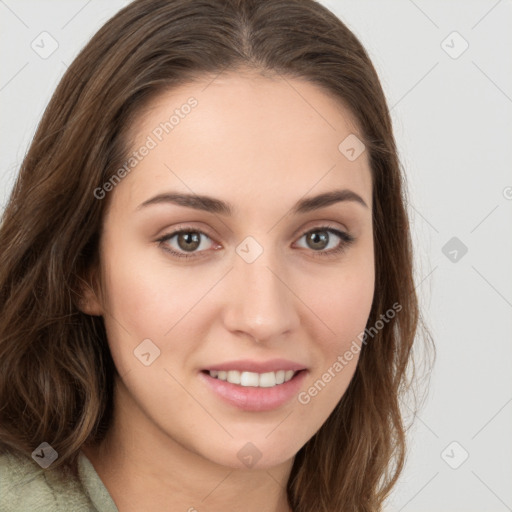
x: 25, y: 486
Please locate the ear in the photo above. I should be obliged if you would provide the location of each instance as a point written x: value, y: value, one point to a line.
x: 89, y: 301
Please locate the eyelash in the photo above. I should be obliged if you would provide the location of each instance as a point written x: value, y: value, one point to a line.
x: 346, y: 241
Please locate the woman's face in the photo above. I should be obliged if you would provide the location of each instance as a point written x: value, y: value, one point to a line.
x: 257, y: 294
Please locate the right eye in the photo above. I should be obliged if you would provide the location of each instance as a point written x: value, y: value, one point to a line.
x: 188, y: 241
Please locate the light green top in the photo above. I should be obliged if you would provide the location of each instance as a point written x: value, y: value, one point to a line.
x: 27, y: 487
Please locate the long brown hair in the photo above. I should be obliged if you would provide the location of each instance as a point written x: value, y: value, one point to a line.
x: 56, y: 371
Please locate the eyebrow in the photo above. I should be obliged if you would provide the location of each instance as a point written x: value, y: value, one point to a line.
x: 214, y: 205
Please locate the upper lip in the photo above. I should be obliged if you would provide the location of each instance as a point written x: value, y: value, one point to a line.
x: 246, y: 365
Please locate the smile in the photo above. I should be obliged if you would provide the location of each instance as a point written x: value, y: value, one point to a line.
x: 252, y: 379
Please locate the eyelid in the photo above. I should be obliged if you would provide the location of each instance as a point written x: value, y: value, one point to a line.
x: 319, y: 224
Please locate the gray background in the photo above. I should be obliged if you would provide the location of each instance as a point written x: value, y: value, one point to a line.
x: 452, y: 114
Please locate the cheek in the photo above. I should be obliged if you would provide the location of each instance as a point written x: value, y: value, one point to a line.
x: 146, y: 299
x: 345, y: 311
x: 342, y: 306
x: 342, y: 300
x: 144, y: 295
x: 349, y: 307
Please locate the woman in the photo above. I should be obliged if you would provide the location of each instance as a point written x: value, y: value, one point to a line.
x: 207, y: 291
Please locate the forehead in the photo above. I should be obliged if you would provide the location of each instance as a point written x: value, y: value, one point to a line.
x: 247, y: 138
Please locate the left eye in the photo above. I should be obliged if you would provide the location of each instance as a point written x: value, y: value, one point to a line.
x: 320, y: 239
x: 189, y: 241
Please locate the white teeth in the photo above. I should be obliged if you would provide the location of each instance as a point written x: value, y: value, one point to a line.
x: 267, y: 380
x: 251, y: 379
x: 233, y: 377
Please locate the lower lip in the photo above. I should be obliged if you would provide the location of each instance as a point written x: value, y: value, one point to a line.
x: 255, y: 399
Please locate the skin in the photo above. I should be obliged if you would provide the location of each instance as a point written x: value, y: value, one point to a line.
x: 262, y: 144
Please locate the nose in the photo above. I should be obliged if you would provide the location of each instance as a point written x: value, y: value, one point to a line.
x: 261, y: 301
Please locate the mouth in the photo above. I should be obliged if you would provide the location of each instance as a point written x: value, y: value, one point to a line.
x: 251, y: 391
